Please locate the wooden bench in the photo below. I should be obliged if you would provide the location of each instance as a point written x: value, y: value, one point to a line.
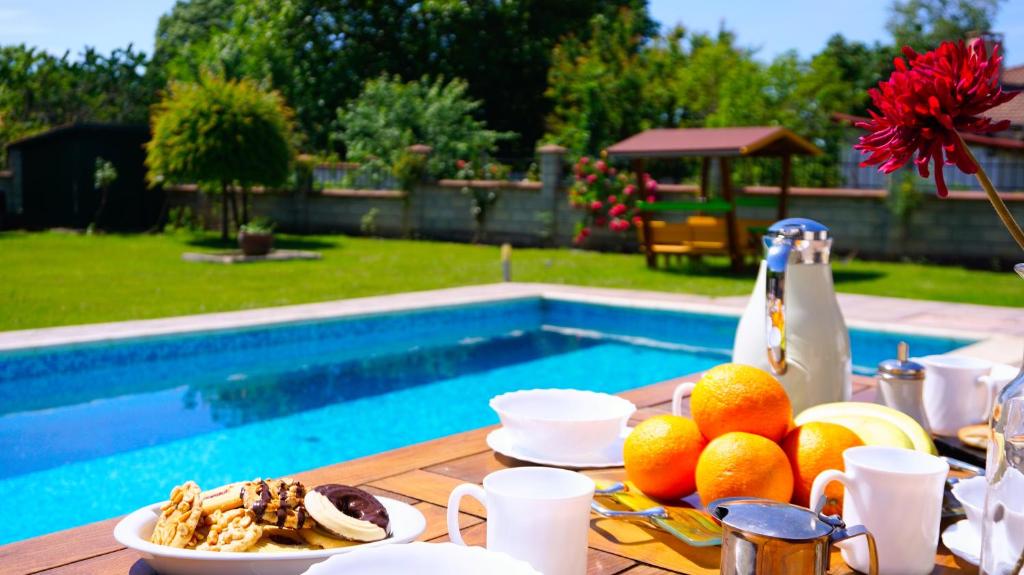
x: 700, y: 236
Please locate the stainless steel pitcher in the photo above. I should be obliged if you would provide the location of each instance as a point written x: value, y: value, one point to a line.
x: 761, y: 536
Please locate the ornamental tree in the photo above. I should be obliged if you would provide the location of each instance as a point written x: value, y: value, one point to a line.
x: 218, y: 132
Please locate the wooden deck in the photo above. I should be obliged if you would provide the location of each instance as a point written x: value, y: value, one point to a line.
x: 423, y: 475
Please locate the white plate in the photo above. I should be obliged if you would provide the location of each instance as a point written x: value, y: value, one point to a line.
x: 423, y: 559
x: 407, y: 523
x: 963, y: 541
x: 501, y: 441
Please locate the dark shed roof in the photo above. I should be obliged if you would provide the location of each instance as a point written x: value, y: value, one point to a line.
x: 712, y: 142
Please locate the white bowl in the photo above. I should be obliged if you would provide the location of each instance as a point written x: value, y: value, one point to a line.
x: 562, y: 423
x: 407, y: 523
x: 423, y: 559
x: 971, y: 494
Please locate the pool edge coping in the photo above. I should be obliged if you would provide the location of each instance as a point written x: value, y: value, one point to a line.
x: 51, y: 337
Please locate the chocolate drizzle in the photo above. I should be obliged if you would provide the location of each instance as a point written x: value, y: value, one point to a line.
x: 260, y: 507
x: 355, y: 503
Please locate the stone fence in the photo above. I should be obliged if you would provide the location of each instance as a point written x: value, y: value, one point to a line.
x: 963, y: 227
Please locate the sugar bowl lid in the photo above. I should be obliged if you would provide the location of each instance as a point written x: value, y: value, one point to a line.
x: 901, y: 367
x: 772, y: 519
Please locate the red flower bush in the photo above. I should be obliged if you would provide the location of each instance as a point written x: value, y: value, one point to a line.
x: 927, y: 102
x: 608, y: 196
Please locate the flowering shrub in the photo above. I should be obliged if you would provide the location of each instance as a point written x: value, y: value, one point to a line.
x: 608, y: 196
x: 482, y: 198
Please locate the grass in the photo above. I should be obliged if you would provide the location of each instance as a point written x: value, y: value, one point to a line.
x: 50, y: 279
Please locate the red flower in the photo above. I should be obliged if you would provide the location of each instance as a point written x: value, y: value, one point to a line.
x: 638, y: 221
x: 596, y: 205
x: 652, y: 185
x: 618, y: 225
x: 612, y: 199
x: 924, y: 104
x: 601, y: 166
x: 628, y: 190
x: 650, y: 199
x: 591, y: 178
x: 617, y: 210
x: 460, y: 164
x: 584, y: 160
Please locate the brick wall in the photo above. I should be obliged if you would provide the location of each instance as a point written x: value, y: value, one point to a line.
x: 538, y: 214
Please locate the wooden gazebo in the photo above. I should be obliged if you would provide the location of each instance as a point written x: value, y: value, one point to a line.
x: 710, y: 143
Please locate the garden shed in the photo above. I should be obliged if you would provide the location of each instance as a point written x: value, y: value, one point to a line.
x: 52, y: 178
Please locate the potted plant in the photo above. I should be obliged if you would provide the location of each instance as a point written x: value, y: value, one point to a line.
x: 256, y: 238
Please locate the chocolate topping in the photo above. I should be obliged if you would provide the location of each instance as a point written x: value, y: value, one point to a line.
x: 355, y: 503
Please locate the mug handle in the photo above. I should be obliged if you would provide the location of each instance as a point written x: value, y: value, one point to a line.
x: 470, y: 489
x: 993, y: 385
x: 826, y: 477
x: 682, y: 390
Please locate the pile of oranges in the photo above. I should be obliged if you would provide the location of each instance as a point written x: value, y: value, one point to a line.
x: 740, y: 442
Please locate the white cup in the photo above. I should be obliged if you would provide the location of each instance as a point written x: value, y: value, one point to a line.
x: 896, y: 494
x: 540, y: 515
x: 958, y: 391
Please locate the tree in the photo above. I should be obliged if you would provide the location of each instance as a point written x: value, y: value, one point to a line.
x: 329, y: 50
x: 182, y: 32
x: 40, y: 90
x: 391, y: 115
x: 609, y: 83
x: 218, y: 132
x: 924, y: 24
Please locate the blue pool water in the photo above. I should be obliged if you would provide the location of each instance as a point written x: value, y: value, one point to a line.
x: 90, y: 432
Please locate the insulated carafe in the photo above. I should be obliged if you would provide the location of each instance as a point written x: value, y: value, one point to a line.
x: 792, y: 325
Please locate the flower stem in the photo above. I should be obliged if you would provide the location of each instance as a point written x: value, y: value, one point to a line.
x: 993, y: 196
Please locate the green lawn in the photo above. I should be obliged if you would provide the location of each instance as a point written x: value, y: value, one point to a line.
x: 49, y: 279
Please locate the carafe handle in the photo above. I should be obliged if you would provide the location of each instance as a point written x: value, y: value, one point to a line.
x: 841, y: 534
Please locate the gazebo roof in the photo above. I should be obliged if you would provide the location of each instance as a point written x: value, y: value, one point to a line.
x: 713, y: 142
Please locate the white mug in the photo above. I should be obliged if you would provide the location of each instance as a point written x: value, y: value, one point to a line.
x: 682, y: 391
x: 958, y: 391
x: 896, y: 494
x: 540, y: 515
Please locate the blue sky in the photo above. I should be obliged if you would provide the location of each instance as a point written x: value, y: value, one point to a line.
x: 772, y: 26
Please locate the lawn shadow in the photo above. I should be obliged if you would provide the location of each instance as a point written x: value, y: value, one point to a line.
x: 841, y: 276
x: 703, y: 269
x: 749, y: 272
x: 284, y: 243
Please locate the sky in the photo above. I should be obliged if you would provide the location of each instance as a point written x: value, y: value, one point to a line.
x: 772, y: 26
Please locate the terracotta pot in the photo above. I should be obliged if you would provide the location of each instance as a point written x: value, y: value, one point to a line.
x: 255, y: 244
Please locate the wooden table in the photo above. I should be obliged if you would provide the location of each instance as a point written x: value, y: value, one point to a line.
x: 423, y: 475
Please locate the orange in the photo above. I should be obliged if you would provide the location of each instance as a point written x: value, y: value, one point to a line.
x: 661, y: 454
x: 737, y: 397
x: 740, y: 464
x: 812, y: 448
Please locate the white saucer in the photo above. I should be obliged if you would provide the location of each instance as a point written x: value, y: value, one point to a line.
x: 963, y: 541
x: 499, y: 440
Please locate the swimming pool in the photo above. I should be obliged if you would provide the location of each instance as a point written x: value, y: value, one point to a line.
x: 93, y: 431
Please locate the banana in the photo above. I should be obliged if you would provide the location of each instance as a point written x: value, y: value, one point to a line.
x: 874, y: 431
x: 866, y: 417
